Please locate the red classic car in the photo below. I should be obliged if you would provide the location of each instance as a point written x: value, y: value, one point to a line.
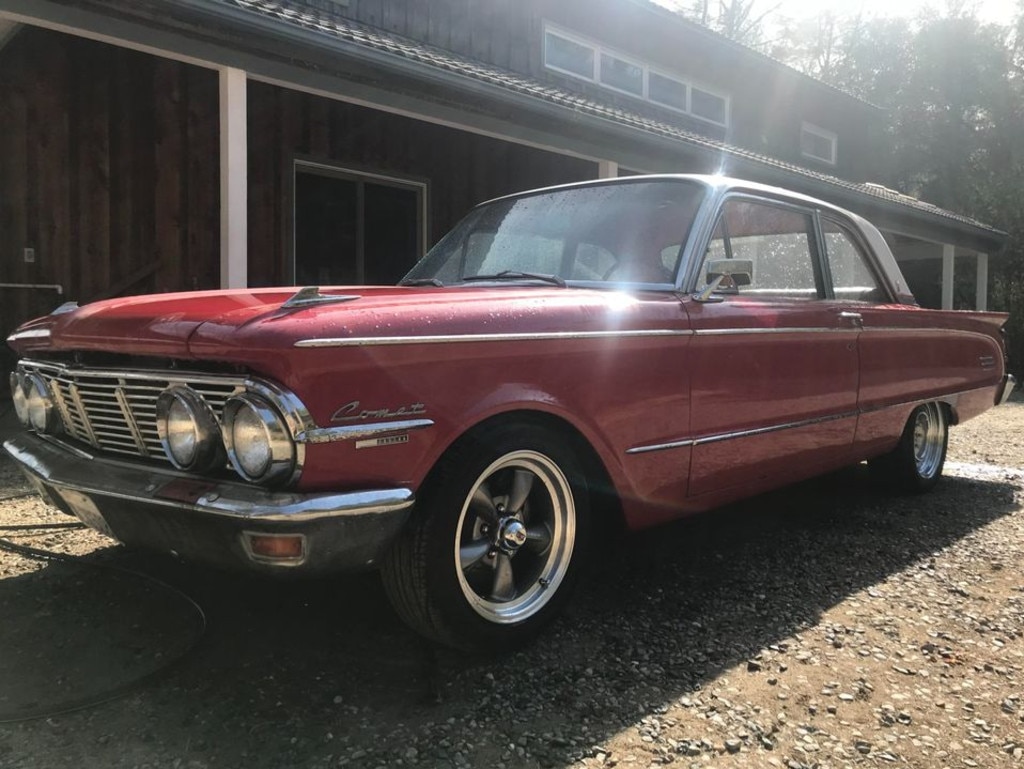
x: 631, y: 350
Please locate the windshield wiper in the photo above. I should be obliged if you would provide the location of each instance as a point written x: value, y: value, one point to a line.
x: 517, y: 275
x: 422, y: 282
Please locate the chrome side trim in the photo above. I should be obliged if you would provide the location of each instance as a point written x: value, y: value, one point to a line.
x: 685, y: 442
x: 359, y: 432
x: 1006, y: 389
x: 364, y: 341
x: 660, y: 446
x: 787, y: 330
x: 775, y: 428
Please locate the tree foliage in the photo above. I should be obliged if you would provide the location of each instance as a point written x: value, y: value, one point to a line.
x: 953, y: 87
x: 954, y: 90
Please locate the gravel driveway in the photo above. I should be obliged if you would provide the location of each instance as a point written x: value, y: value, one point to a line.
x: 824, y: 625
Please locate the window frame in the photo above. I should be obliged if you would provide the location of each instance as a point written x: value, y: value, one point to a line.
x: 559, y: 32
x: 361, y: 177
x: 602, y: 52
x: 854, y: 234
x: 822, y: 133
x: 646, y: 68
x: 823, y: 273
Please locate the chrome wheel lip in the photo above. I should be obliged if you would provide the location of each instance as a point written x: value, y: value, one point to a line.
x: 532, y: 598
x: 929, y: 440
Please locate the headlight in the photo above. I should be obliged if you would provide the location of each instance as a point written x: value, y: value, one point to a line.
x: 20, y: 399
x: 188, y: 430
x: 259, y: 444
x: 42, y: 413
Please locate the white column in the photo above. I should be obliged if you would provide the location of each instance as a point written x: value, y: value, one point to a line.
x: 947, y: 277
x: 607, y: 169
x: 981, y: 287
x: 234, y: 182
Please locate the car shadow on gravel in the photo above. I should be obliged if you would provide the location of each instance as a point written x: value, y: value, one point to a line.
x: 303, y: 673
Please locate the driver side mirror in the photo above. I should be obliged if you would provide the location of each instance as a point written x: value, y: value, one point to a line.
x: 738, y: 272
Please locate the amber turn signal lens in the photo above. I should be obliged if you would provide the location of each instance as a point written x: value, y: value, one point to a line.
x: 276, y: 547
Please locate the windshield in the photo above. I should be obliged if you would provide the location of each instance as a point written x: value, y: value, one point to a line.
x: 631, y: 232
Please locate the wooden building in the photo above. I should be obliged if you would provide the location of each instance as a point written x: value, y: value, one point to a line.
x: 162, y: 145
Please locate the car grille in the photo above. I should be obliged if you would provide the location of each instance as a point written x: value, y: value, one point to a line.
x: 115, y: 411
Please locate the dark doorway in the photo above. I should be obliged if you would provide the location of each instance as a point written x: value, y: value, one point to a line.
x: 353, y: 229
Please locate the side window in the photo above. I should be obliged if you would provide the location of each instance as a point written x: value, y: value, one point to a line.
x: 852, y: 277
x: 776, y: 241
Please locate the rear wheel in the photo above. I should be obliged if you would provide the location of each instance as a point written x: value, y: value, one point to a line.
x: 496, y: 542
x: 915, y: 465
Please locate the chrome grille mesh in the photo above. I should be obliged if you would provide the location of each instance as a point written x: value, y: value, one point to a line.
x: 115, y: 411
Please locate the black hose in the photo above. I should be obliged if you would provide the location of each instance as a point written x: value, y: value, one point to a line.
x: 82, y: 703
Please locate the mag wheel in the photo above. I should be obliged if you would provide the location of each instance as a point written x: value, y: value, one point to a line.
x: 496, y: 541
x: 915, y: 465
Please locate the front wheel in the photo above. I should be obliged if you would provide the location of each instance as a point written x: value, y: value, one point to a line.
x: 496, y: 541
x: 915, y: 465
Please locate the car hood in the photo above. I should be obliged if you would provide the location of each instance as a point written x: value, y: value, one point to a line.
x: 158, y: 324
x: 244, y: 325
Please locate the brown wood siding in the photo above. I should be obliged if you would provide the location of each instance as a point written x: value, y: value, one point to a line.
x: 460, y: 168
x: 108, y: 169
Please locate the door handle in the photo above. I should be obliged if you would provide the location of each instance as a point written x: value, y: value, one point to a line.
x: 855, y: 318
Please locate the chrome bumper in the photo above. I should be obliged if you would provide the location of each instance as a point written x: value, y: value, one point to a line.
x: 210, y: 520
x: 1008, y: 384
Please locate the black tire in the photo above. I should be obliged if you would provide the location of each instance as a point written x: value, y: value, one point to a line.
x: 473, y: 572
x: 915, y: 465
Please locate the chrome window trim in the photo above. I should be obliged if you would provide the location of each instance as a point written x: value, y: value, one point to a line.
x: 366, y: 341
x: 357, y: 432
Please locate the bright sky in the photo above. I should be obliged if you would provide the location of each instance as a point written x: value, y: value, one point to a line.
x: 998, y: 11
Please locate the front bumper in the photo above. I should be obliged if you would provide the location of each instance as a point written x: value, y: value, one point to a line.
x: 211, y: 521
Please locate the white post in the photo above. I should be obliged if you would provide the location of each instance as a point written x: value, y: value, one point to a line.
x: 947, y: 277
x: 607, y: 169
x: 981, y: 287
x: 234, y: 183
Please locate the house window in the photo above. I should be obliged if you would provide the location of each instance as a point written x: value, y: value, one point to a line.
x: 817, y: 144
x: 355, y: 228
x: 568, y: 55
x: 667, y: 91
x: 622, y: 75
x: 709, y: 106
x: 574, y: 55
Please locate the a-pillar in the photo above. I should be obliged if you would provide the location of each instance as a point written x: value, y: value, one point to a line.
x: 234, y: 183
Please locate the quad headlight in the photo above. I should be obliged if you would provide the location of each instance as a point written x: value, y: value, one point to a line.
x: 20, y: 398
x: 259, y: 444
x: 33, y: 403
x: 188, y: 429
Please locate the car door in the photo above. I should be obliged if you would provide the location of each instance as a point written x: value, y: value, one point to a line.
x: 774, y: 363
